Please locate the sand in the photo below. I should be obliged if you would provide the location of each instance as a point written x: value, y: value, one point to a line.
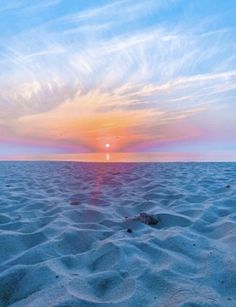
x: 64, y: 239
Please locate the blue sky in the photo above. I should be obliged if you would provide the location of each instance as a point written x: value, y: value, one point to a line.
x: 139, y: 75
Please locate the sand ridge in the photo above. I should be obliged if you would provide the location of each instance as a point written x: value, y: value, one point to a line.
x: 64, y: 239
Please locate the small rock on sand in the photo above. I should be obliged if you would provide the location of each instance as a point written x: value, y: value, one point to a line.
x: 146, y: 218
x: 74, y: 202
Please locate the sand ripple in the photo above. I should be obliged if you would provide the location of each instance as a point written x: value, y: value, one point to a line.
x: 64, y: 239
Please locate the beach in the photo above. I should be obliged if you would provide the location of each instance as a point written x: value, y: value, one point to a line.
x: 70, y: 234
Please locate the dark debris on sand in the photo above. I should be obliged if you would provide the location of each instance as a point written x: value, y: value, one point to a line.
x: 74, y: 202
x: 146, y: 218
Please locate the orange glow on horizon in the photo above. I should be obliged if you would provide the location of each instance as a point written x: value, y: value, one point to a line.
x: 82, y: 125
x: 95, y: 131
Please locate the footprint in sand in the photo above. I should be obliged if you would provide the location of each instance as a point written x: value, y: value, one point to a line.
x: 106, y: 287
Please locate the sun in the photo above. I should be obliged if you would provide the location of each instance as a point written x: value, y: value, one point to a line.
x: 107, y: 145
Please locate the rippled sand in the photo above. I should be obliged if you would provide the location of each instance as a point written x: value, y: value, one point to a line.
x: 64, y: 239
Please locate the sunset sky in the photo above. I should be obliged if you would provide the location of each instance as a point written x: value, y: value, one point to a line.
x: 141, y: 76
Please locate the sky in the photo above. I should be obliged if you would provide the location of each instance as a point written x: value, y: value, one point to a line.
x: 141, y: 76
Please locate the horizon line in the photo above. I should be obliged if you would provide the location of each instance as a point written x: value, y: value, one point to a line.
x: 125, y: 157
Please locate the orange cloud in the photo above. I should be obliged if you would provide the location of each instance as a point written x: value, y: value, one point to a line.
x: 91, y: 130
x: 82, y: 123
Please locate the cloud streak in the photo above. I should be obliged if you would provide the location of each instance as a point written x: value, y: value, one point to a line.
x: 118, y: 72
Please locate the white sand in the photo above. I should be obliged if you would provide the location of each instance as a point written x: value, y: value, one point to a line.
x: 64, y: 239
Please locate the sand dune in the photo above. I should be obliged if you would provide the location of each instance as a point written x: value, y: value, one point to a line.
x: 64, y: 239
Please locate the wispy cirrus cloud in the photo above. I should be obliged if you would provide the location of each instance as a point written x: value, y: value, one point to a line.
x: 77, y: 75
x: 24, y: 6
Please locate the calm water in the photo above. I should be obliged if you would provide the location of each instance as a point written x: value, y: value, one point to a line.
x: 129, y: 157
